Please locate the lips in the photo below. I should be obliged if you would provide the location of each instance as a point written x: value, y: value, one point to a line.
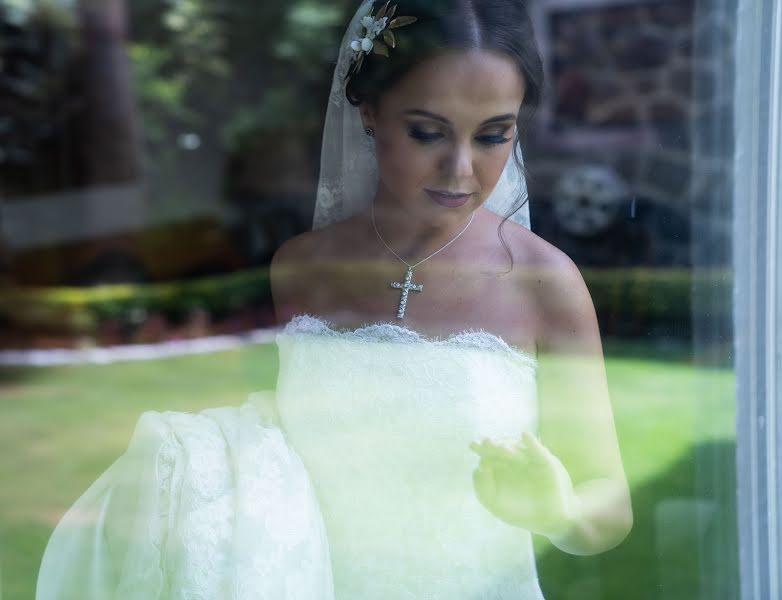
x: 449, y: 199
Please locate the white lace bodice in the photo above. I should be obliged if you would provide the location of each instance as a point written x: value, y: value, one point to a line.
x: 382, y: 417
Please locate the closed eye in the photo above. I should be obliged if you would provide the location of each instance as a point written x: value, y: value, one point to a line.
x: 427, y: 137
x: 424, y: 136
x: 497, y: 138
x: 493, y: 140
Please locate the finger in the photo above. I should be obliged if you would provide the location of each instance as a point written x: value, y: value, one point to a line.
x: 491, y: 450
x: 529, y: 439
x: 534, y: 445
x: 479, y: 444
x: 484, y: 441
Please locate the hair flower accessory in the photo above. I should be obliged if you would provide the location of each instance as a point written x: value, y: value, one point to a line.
x: 375, y: 34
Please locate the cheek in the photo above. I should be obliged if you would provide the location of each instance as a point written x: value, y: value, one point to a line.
x: 498, y: 164
x: 490, y: 170
x: 403, y: 164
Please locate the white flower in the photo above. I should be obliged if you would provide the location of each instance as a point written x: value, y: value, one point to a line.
x: 380, y: 25
x: 374, y: 27
x: 368, y: 28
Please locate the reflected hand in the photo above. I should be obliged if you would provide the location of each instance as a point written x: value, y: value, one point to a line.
x: 525, y: 485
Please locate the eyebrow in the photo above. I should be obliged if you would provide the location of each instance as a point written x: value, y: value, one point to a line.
x: 424, y: 113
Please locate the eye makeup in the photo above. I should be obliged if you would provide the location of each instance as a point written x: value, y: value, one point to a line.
x: 493, y: 140
x: 427, y: 137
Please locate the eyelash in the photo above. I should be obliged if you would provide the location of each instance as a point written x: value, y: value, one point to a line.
x: 428, y: 138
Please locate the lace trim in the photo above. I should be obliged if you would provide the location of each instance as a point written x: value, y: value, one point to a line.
x: 386, y: 331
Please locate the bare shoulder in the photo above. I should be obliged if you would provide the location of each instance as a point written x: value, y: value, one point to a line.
x: 293, y: 250
x: 295, y: 267
x: 535, y: 258
x: 563, y: 308
x: 329, y: 241
x: 551, y: 265
x: 282, y: 269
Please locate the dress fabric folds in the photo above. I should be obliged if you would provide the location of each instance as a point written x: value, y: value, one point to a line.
x: 213, y: 505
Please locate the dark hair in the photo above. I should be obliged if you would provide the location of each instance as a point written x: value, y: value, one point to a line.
x: 500, y: 25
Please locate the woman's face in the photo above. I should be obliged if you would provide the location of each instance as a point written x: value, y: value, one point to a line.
x: 446, y: 128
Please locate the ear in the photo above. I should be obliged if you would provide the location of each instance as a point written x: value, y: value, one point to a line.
x: 368, y: 115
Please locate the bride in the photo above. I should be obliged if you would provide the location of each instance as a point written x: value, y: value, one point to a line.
x: 441, y: 394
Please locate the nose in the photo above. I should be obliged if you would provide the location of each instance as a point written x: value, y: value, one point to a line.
x: 460, y: 161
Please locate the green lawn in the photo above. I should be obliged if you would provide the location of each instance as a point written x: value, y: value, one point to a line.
x: 62, y: 427
x: 676, y: 428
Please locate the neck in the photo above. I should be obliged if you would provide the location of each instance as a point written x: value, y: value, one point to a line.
x: 410, y: 235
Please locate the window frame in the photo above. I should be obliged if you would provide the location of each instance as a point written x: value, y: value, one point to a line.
x: 757, y: 238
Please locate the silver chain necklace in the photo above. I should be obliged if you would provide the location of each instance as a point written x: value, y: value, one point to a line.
x: 407, y: 285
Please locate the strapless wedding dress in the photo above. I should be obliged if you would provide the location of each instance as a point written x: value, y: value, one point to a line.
x: 364, y: 490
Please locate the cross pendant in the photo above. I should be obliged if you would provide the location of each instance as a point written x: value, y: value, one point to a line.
x: 406, y: 286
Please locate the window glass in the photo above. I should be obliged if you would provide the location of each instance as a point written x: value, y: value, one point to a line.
x: 156, y: 155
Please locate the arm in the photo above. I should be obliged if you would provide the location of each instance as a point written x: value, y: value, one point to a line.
x: 576, y: 419
x: 293, y: 276
x: 282, y: 270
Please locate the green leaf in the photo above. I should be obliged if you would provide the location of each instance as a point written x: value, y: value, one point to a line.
x: 382, y: 12
x: 389, y: 38
x: 380, y: 48
x: 401, y: 22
